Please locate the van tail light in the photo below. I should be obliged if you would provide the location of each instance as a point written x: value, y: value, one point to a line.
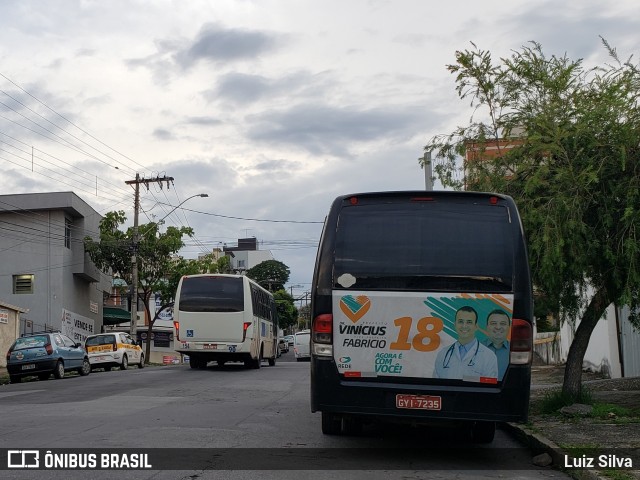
x: 245, y: 327
x: 521, y: 342
x: 48, y: 348
x: 322, y: 335
x: 176, y: 325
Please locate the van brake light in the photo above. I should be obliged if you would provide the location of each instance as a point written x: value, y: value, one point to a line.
x: 521, y: 345
x: 322, y: 335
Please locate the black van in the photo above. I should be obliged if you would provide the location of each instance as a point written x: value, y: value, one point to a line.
x: 422, y: 312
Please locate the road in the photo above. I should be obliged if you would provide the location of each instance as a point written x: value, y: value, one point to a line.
x: 228, y: 422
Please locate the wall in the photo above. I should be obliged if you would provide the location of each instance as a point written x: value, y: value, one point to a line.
x: 602, y: 352
x: 8, y: 331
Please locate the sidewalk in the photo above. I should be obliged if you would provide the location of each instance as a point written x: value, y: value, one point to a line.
x: 555, y: 434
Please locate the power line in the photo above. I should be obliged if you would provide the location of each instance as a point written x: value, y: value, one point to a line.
x: 56, y: 158
x: 73, y: 124
x: 252, y: 219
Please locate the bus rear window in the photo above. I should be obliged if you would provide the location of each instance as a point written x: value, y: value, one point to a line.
x: 211, y: 294
x: 424, y: 245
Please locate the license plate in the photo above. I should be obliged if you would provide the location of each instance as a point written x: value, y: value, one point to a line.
x: 28, y: 367
x: 419, y: 402
x: 211, y: 346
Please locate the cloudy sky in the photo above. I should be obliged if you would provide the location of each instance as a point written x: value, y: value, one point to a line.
x: 271, y: 107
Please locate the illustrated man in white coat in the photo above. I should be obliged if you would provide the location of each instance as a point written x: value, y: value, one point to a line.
x: 466, y: 359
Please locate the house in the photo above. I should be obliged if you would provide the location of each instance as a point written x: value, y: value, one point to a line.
x: 246, y: 255
x: 43, y: 264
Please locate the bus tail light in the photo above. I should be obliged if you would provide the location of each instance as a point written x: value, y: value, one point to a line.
x: 176, y: 325
x: 245, y: 327
x: 322, y: 335
x: 521, y: 342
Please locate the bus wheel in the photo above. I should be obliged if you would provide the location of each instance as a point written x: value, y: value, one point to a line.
x: 272, y: 361
x: 257, y: 363
x: 194, y: 362
x: 483, y: 432
x: 331, y: 423
x: 351, y: 425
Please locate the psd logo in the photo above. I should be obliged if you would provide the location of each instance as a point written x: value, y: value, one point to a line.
x: 355, y: 307
x: 23, y: 459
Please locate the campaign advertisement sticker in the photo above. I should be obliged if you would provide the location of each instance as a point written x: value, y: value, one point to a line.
x: 426, y: 335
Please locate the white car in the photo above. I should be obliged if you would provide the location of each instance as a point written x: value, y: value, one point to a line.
x: 113, y: 349
x: 301, y: 345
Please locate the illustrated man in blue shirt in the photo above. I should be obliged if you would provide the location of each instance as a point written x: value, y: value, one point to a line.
x: 466, y: 358
x: 498, y: 326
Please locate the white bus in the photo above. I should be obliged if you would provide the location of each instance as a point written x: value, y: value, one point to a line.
x: 225, y: 318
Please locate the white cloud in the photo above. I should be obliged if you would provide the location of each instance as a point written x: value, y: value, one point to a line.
x: 272, y: 107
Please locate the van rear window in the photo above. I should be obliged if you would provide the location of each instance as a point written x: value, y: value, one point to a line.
x: 424, y: 245
x: 212, y: 294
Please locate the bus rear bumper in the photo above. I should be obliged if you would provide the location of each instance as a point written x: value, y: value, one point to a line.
x: 332, y: 393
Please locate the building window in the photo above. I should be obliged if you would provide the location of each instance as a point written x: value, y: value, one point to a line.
x: 241, y: 264
x: 67, y: 233
x: 23, y: 284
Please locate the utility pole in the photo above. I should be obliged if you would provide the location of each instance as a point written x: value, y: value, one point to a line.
x: 134, y: 254
x: 428, y: 181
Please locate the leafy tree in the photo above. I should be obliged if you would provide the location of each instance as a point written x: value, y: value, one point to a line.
x: 287, y: 312
x: 574, y: 171
x: 271, y: 274
x: 304, y: 316
x: 157, y: 270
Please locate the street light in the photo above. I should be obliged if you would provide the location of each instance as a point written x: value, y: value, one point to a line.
x: 134, y: 260
x: 203, y: 195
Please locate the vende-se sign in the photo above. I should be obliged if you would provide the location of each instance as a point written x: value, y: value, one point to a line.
x: 4, y: 315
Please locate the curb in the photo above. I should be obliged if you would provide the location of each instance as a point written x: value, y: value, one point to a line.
x: 539, y: 442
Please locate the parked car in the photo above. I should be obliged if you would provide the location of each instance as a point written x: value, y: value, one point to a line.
x: 301, y: 342
x: 113, y: 349
x: 283, y: 346
x: 289, y: 340
x: 41, y: 354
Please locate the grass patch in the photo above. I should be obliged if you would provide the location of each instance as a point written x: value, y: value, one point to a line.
x: 617, y: 475
x: 606, y: 411
x: 555, y: 400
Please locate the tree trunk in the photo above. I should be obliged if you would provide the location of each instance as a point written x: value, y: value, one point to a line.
x: 572, y: 384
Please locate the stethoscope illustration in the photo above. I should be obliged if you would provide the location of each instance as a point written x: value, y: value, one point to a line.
x: 449, y: 354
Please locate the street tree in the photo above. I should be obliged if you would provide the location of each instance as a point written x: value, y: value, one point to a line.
x: 158, y: 271
x: 271, y: 274
x: 287, y: 312
x: 573, y: 167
